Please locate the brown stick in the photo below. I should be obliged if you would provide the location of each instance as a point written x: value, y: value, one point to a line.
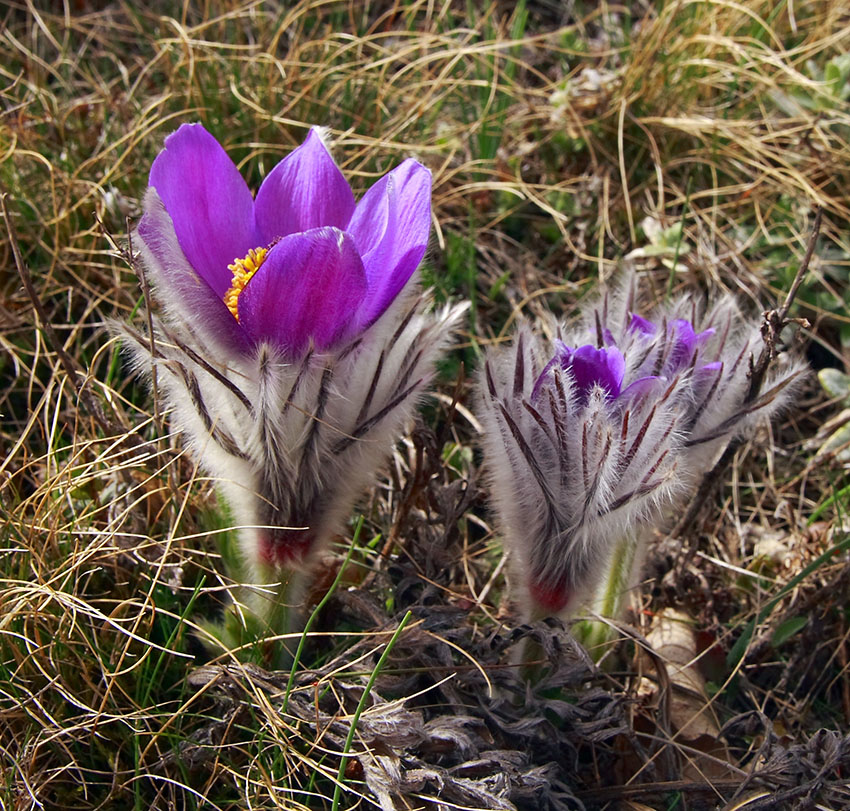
x: 644, y: 789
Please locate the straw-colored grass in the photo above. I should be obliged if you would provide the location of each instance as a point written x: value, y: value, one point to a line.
x: 560, y: 141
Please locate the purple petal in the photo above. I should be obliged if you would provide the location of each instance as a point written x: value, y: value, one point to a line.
x: 390, y: 226
x: 598, y: 367
x: 181, y: 290
x: 640, y: 388
x: 685, y: 342
x: 208, y: 202
x: 638, y: 324
x: 305, y: 190
x: 705, y: 376
x: 309, y: 288
x: 561, y: 358
x: 541, y: 379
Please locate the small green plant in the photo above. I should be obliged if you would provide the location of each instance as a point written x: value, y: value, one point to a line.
x: 837, y: 385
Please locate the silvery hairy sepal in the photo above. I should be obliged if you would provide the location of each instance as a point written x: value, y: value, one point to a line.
x: 593, y: 437
x: 293, y: 342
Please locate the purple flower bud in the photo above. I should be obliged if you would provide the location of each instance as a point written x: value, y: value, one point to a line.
x: 591, y: 367
x: 710, y: 353
x: 575, y: 459
x: 642, y: 326
x: 683, y: 343
x: 588, y: 445
x: 293, y: 342
x: 588, y: 367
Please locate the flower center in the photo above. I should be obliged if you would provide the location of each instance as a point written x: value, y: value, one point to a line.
x: 242, y: 270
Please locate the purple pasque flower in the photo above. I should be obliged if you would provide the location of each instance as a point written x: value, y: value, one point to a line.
x: 592, y: 438
x: 292, y: 342
x: 301, y: 265
x: 678, y: 344
x: 575, y: 459
x: 589, y: 367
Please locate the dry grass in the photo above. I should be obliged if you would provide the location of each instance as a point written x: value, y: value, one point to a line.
x: 552, y: 136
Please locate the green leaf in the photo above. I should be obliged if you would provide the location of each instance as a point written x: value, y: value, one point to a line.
x: 838, y: 442
x: 831, y: 74
x: 835, y: 383
x: 788, y: 629
x: 739, y: 649
x: 836, y: 75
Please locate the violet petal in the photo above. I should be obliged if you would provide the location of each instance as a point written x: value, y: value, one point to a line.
x: 685, y: 342
x: 181, y: 290
x: 541, y: 378
x: 603, y: 367
x: 706, y: 376
x: 305, y: 190
x: 391, y: 225
x: 208, y: 202
x: 641, y: 325
x: 309, y: 287
x: 640, y: 387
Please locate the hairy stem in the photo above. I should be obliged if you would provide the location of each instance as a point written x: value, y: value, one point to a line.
x: 276, y: 602
x: 611, y: 595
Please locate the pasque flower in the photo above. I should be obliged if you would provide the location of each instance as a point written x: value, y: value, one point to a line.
x: 591, y: 438
x: 293, y: 341
x: 580, y: 446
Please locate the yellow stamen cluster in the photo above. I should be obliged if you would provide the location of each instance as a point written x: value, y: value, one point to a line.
x: 242, y: 270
